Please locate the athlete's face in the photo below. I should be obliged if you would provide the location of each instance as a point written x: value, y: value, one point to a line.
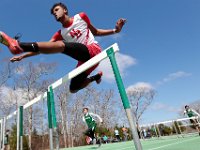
x: 59, y: 12
x: 85, y: 111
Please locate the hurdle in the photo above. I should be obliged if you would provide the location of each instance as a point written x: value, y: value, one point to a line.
x: 107, y: 53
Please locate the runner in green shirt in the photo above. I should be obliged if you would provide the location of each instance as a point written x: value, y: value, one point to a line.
x: 88, y: 118
x: 192, y: 113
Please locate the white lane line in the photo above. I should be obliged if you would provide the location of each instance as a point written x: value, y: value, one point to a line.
x: 109, y: 148
x: 152, y: 148
x: 172, y: 144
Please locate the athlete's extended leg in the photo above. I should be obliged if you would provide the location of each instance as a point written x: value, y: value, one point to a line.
x: 89, y: 135
x: 198, y: 126
x: 77, y: 51
x: 195, y: 123
x: 92, y: 136
x: 42, y: 47
x: 11, y: 43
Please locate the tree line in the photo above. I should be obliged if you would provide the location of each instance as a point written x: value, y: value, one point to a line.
x: 22, y: 82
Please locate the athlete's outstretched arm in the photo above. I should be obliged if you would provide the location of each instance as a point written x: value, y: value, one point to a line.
x: 20, y: 57
x: 196, y: 113
x: 95, y: 115
x: 101, y: 32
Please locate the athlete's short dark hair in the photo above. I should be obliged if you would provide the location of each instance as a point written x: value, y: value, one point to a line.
x: 186, y: 106
x: 85, y: 108
x: 61, y: 5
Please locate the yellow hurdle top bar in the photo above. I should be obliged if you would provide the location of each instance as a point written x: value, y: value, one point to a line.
x: 93, y: 61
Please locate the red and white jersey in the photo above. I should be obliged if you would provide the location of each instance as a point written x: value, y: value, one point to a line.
x: 77, y: 31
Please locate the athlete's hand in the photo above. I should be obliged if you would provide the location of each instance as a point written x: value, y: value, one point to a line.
x: 120, y: 23
x: 16, y: 58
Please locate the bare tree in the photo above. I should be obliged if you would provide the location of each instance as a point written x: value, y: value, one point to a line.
x: 31, y: 79
x: 77, y: 128
x: 7, y: 71
x: 141, y: 96
x: 63, y: 95
x: 8, y: 98
x: 7, y: 101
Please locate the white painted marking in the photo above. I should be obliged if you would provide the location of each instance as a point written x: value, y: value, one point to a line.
x: 171, y: 144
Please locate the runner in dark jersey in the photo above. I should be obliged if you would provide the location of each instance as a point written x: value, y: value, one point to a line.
x: 88, y: 118
x: 192, y: 113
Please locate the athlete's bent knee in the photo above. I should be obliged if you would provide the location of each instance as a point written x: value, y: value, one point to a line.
x: 73, y: 91
x: 60, y: 44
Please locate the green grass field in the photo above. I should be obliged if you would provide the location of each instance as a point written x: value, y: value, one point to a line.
x: 186, y: 143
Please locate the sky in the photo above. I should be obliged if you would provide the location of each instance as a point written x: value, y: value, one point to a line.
x: 159, y: 45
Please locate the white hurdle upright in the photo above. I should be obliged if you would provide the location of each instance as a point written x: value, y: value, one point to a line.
x: 107, y: 53
x: 18, y: 129
x: 3, y: 128
x: 1, y: 132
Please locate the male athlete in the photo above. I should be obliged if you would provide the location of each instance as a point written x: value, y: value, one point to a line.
x: 88, y: 118
x: 192, y: 113
x: 75, y: 39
